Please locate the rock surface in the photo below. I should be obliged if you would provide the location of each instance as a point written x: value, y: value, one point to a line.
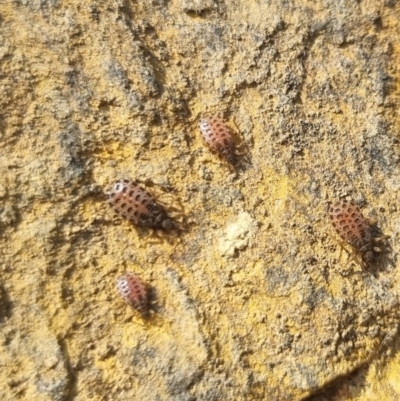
x: 257, y: 299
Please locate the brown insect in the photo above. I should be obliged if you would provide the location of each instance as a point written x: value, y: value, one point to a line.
x: 219, y: 137
x: 131, y: 201
x: 134, y: 292
x: 357, y: 231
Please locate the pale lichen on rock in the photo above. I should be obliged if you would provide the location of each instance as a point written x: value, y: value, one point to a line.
x: 237, y: 235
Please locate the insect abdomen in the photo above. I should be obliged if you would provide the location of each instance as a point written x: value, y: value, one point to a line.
x: 128, y: 199
x: 218, y: 136
x: 134, y: 292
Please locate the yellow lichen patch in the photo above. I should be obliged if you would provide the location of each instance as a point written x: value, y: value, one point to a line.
x: 393, y: 373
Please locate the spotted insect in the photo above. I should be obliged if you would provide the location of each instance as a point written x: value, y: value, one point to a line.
x: 219, y: 137
x: 357, y: 231
x: 135, y: 292
x: 128, y: 199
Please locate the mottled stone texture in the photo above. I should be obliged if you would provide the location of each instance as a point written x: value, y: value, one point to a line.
x: 257, y: 299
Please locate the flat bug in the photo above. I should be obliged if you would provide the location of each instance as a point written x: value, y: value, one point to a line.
x: 128, y: 199
x: 135, y: 292
x: 357, y: 231
x: 218, y: 136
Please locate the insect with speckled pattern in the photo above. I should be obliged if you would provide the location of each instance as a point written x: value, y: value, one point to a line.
x: 128, y: 199
x: 357, y: 231
x: 135, y: 292
x: 219, y: 137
